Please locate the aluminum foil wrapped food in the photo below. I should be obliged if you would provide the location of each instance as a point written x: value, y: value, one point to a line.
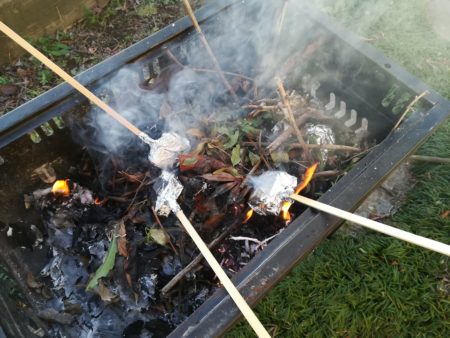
x: 270, y: 190
x: 165, y: 150
x: 168, y: 188
x: 317, y: 133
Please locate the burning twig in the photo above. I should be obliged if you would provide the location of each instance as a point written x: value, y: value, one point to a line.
x: 169, y: 190
x: 408, y: 109
x: 216, y: 64
x: 377, y: 226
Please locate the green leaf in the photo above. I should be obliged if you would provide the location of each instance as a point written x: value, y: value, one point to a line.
x: 248, y: 128
x: 236, y: 155
x: 254, y: 158
x: 280, y: 156
x: 157, y: 235
x: 106, y: 267
x: 190, y: 161
x: 232, y: 140
x: 224, y: 131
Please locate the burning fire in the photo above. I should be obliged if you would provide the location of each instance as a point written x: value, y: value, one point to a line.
x: 61, y: 187
x: 97, y: 201
x: 248, y: 216
x: 307, y: 176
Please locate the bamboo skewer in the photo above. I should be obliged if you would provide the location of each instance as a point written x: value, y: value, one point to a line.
x: 70, y: 80
x: 247, y: 312
x: 377, y: 226
x: 205, y: 43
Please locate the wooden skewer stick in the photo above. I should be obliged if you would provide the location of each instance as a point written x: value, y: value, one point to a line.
x: 205, y: 43
x: 69, y: 79
x: 247, y: 312
x: 377, y: 226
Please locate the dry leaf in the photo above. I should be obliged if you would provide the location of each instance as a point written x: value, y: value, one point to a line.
x: 122, y: 242
x: 158, y: 236
x: 105, y: 293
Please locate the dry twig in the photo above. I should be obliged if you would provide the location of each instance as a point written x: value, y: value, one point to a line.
x: 408, y: 109
x: 164, y: 230
x: 216, y: 64
x: 196, y: 261
x: 292, y: 120
x: 430, y: 159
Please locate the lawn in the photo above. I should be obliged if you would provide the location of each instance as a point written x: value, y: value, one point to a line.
x: 372, y: 285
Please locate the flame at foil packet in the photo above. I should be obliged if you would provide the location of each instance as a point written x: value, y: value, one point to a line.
x: 270, y: 190
x: 319, y: 134
x: 165, y: 150
x: 168, y: 188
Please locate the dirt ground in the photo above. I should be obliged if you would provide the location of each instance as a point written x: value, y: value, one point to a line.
x: 103, y: 32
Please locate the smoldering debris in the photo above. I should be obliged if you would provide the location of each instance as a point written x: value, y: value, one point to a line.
x: 208, y: 155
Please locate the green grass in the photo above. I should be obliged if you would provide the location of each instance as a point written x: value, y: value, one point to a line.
x: 373, y: 285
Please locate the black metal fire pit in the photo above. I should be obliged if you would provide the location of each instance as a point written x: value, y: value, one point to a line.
x: 356, y: 83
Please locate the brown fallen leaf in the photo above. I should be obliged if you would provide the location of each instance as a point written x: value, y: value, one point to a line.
x: 105, y: 293
x: 122, y: 240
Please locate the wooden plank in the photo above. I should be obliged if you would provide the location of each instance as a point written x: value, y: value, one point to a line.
x: 35, y: 18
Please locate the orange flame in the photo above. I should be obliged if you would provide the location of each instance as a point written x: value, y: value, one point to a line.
x: 285, y: 215
x: 307, y: 177
x: 97, y: 201
x: 248, y: 216
x: 61, y: 187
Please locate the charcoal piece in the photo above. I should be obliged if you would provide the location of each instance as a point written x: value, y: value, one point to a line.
x: 52, y: 315
x: 171, y: 265
x: 108, y: 325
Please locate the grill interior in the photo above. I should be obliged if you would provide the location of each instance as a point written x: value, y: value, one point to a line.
x: 357, y: 91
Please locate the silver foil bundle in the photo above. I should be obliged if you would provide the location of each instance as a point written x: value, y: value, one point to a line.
x: 270, y: 190
x: 168, y: 188
x: 316, y: 133
x: 165, y: 150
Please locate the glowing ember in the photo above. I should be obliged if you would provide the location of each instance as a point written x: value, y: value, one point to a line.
x: 61, y: 187
x: 97, y: 201
x: 248, y: 216
x: 307, y: 177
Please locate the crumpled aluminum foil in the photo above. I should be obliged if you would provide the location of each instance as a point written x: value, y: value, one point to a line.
x: 270, y: 190
x: 165, y: 150
x: 168, y: 188
x: 317, y: 133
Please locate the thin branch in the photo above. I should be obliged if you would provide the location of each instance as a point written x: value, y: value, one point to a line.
x: 180, y: 275
x: 408, y: 109
x: 204, y: 70
x: 292, y: 120
x: 430, y: 159
x: 164, y: 230
x: 216, y: 64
